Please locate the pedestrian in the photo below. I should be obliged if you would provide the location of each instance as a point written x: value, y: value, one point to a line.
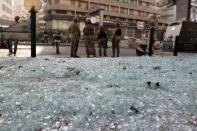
x: 57, y: 38
x: 75, y: 36
x: 102, y: 41
x: 46, y: 36
x: 116, y: 40
x: 10, y: 42
x: 89, y: 39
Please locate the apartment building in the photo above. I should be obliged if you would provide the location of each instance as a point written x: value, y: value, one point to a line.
x: 6, y: 9
x: 127, y: 12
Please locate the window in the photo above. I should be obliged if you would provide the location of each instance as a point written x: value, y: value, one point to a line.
x: 133, y: 2
x: 141, y: 13
x: 135, y: 12
x: 57, y: 1
x: 123, y: 1
x: 131, y: 12
x: 114, y: 9
x: 123, y: 11
x: 3, y: 7
x: 140, y: 3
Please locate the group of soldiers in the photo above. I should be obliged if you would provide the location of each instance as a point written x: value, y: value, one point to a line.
x: 89, y: 34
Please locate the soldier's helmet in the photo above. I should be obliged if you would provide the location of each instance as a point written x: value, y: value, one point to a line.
x: 75, y: 19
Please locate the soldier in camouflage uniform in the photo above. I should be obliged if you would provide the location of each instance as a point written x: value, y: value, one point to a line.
x: 75, y: 35
x: 102, y: 41
x: 116, y: 40
x: 11, y: 42
x: 89, y: 38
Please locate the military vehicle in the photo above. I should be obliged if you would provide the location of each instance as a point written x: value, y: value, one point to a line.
x: 187, y: 32
x: 19, y: 31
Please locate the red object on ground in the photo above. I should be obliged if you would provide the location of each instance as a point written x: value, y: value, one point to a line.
x: 154, y: 46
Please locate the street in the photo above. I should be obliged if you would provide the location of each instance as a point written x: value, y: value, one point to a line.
x: 25, y: 51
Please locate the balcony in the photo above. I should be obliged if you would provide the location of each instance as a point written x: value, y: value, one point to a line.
x: 62, y: 17
x: 126, y: 5
x: 65, y: 7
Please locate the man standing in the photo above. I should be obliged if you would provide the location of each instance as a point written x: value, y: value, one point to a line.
x: 102, y: 41
x: 10, y: 42
x: 75, y: 35
x: 89, y: 38
x: 116, y: 40
x: 57, y: 38
x: 46, y: 36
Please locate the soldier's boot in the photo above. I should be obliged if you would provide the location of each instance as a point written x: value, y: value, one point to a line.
x: 71, y: 54
x: 77, y: 46
x: 118, y: 52
x: 113, y: 52
x: 94, y: 52
x: 71, y: 51
x: 100, y: 52
x: 15, y: 47
x: 10, y: 47
x: 105, y: 54
x: 57, y: 48
x: 75, y: 55
x: 87, y: 52
x: 75, y: 51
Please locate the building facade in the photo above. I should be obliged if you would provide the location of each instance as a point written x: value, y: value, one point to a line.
x: 60, y: 13
x: 6, y: 9
x: 41, y: 23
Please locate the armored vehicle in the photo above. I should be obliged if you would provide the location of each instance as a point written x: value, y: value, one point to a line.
x: 187, y: 32
x: 19, y: 31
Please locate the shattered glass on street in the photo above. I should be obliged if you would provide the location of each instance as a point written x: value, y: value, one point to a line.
x: 136, y: 93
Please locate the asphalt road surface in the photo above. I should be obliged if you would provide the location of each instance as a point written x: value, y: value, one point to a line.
x: 25, y: 51
x: 65, y: 51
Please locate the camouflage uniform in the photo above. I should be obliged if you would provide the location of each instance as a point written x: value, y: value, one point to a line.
x: 89, y: 38
x: 10, y: 44
x: 116, y: 40
x: 75, y: 35
x: 102, y: 41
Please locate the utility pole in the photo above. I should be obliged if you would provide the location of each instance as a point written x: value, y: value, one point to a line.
x: 88, y: 8
x: 75, y: 8
x: 101, y: 17
x: 33, y: 32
